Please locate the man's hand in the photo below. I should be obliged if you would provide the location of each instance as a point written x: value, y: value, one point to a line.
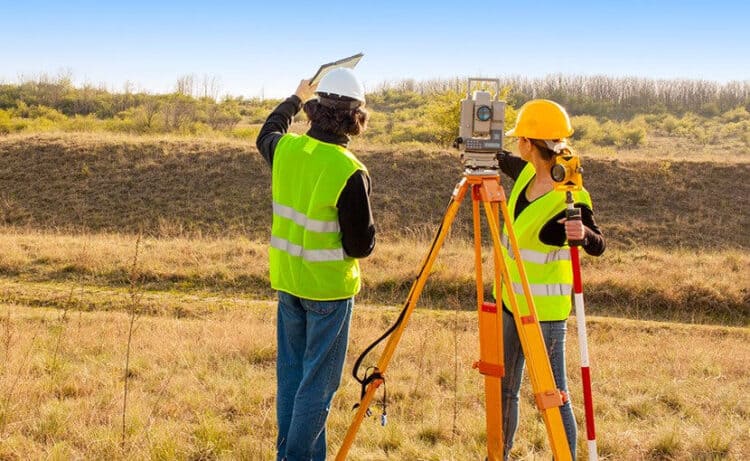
x: 305, y: 91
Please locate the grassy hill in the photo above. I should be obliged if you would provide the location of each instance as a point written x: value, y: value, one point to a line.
x: 173, y: 186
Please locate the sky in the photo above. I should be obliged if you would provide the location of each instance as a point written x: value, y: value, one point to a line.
x: 263, y: 49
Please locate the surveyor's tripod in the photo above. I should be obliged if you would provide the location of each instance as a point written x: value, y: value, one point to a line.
x: 485, y: 189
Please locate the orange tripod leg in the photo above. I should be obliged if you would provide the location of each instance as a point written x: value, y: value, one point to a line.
x: 490, y: 362
x: 416, y: 290
x: 548, y: 397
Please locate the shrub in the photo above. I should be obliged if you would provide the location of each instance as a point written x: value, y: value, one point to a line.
x: 669, y: 124
x: 710, y: 109
x: 686, y: 126
x: 585, y: 127
x: 45, y: 112
x: 123, y: 125
x: 41, y: 124
x: 443, y: 111
x: 378, y: 125
x: 734, y: 130
x: 609, y: 134
x: 81, y: 123
x: 633, y: 137
x: 8, y: 124
x: 735, y: 115
x: 195, y: 129
x: 248, y: 133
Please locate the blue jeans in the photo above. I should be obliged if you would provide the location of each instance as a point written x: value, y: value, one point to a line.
x: 312, y: 338
x: 554, y: 339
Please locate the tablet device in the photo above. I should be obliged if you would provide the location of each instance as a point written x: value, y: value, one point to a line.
x: 349, y: 62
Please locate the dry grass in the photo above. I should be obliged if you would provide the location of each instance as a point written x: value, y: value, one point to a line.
x: 37, y: 269
x: 204, y: 388
x: 171, y: 186
x: 187, y: 378
x: 168, y: 186
x: 676, y: 149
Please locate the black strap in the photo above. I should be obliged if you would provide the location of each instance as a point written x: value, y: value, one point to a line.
x: 369, y: 378
x: 337, y: 103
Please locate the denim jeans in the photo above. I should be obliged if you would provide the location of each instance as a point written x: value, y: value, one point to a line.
x: 554, y: 339
x: 312, y: 338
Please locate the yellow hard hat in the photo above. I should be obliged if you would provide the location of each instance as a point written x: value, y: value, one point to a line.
x: 541, y: 119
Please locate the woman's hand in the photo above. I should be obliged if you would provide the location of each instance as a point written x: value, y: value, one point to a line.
x: 574, y: 230
x: 305, y: 90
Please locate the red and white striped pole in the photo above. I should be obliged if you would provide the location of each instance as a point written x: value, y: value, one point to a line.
x: 583, y: 342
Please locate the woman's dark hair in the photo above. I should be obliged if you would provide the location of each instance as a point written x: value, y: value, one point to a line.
x: 342, y: 121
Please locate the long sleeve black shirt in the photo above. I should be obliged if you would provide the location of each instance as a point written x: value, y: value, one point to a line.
x: 553, y: 232
x: 355, y: 213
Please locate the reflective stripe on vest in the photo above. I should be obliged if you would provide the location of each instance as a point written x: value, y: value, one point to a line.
x: 537, y: 257
x: 538, y: 289
x: 312, y: 225
x: 308, y: 255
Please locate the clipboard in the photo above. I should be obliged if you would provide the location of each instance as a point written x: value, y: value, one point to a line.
x: 349, y: 62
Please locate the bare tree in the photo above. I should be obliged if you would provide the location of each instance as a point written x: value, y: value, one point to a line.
x: 210, y: 87
x: 185, y: 85
x: 150, y: 107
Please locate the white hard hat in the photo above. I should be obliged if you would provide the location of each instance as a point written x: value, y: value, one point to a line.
x: 342, y: 82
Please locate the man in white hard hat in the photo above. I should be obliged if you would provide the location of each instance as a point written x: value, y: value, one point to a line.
x: 322, y: 222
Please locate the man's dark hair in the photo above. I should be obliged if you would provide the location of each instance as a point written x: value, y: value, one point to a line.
x: 342, y: 121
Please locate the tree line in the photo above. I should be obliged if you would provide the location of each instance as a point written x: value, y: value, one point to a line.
x: 193, y: 106
x: 616, y: 111
x: 615, y: 98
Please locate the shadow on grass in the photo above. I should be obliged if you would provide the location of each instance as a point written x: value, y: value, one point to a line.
x: 688, y: 304
x: 691, y: 305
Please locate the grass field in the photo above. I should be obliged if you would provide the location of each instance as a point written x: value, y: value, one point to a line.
x: 202, y: 360
x: 203, y: 388
x: 669, y: 304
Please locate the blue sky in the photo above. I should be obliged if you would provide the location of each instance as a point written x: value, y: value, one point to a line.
x: 265, y: 48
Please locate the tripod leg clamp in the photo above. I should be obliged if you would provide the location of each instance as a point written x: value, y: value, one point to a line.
x: 550, y: 399
x: 489, y: 369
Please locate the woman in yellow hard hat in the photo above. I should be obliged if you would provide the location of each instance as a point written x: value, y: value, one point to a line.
x: 537, y: 214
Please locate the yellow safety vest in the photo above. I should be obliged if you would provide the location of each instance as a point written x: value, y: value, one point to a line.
x: 547, y: 267
x: 306, y: 255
